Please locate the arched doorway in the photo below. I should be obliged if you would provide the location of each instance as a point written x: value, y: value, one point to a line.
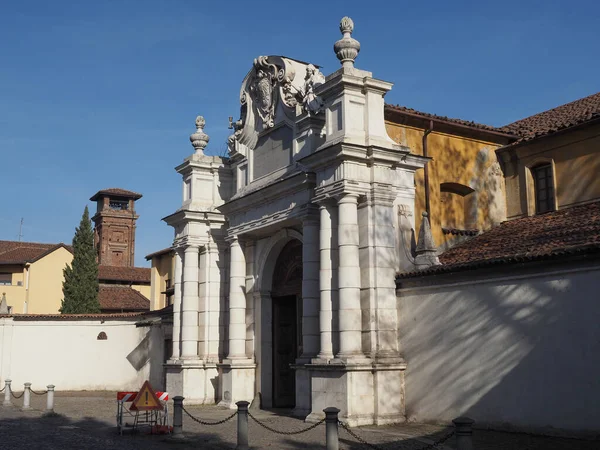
x: 286, y: 294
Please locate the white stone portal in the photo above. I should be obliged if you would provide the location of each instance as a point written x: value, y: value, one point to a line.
x: 286, y: 252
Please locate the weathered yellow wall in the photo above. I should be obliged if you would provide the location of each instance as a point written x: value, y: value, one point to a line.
x: 45, y: 282
x: 162, y: 270
x: 15, y: 295
x: 144, y: 289
x: 576, y: 169
x: 466, y: 161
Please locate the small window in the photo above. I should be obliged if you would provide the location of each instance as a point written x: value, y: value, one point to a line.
x: 5, y: 279
x: 544, y: 188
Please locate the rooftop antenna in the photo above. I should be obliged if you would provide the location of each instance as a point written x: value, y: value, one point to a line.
x: 21, y: 230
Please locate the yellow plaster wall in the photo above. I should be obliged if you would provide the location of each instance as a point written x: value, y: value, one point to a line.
x: 15, y: 295
x: 162, y: 270
x: 45, y: 282
x: 143, y: 289
x: 456, y: 159
x: 576, y: 159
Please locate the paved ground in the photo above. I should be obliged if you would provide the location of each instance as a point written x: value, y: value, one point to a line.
x: 87, y: 421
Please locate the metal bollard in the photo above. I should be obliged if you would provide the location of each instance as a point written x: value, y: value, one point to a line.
x: 27, y: 396
x: 331, y: 428
x: 464, y: 433
x: 7, y: 401
x: 242, y: 425
x: 178, y: 417
x: 50, y: 399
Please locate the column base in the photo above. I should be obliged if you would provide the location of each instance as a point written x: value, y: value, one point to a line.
x: 303, y: 389
x: 366, y: 393
x: 193, y: 379
x: 236, y: 381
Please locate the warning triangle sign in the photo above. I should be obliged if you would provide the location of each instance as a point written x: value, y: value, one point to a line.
x: 146, y: 399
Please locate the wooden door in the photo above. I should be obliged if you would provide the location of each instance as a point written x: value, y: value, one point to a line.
x: 284, y: 351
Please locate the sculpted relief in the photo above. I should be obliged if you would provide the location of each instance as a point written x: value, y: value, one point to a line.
x: 270, y: 94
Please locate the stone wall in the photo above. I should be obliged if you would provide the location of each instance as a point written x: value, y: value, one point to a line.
x: 519, y: 350
x: 73, y: 355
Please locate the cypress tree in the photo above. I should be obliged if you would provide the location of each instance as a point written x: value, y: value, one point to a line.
x: 80, y: 287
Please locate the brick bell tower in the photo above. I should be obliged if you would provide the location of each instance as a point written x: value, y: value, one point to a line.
x: 114, y: 226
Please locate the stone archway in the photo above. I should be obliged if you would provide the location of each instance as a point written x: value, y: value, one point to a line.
x: 278, y: 277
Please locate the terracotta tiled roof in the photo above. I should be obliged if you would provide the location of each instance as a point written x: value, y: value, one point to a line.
x: 459, y: 232
x: 115, y: 316
x: 121, y: 298
x: 116, y: 192
x: 15, y: 252
x: 569, y: 231
x: 561, y: 117
x: 466, y: 123
x: 128, y: 274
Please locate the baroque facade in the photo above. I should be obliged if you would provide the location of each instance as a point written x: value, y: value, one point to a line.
x: 286, y: 253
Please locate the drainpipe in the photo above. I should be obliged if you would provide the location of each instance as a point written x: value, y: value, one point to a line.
x: 26, y: 305
x: 426, y: 169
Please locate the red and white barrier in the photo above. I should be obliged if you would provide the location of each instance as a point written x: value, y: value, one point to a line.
x: 130, y: 396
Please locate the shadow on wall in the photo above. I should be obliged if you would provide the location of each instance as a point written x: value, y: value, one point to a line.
x: 516, y: 353
x: 150, y: 352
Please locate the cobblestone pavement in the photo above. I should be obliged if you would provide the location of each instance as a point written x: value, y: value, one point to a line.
x: 86, y: 420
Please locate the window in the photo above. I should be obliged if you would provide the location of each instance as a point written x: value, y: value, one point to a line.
x: 5, y: 279
x: 544, y: 188
x: 458, y: 206
x: 119, y: 205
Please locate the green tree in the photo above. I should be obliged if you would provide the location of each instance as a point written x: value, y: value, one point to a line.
x: 80, y: 287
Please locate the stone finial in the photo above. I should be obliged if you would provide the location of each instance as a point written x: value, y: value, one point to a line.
x: 347, y: 48
x: 199, y: 139
x: 426, y: 251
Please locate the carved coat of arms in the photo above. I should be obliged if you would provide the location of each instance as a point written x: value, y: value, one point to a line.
x: 263, y: 90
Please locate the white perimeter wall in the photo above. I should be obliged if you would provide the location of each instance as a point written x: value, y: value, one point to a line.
x: 519, y: 352
x: 69, y: 355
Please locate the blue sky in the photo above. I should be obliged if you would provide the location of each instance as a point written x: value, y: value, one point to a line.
x: 104, y: 94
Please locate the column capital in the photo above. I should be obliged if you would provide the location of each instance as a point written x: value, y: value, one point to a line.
x: 348, y: 197
x: 231, y: 238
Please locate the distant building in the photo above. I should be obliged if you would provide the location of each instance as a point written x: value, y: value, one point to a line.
x: 162, y: 288
x: 114, y: 226
x: 123, y: 287
x: 31, y: 274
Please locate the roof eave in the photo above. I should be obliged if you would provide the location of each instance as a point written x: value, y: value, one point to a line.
x: 450, y: 127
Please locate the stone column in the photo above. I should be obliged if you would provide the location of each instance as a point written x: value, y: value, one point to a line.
x: 177, y: 272
x: 189, y: 305
x: 250, y: 304
x: 237, y: 302
x: 349, y: 278
x: 327, y: 241
x: 214, y: 292
x: 310, y: 288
